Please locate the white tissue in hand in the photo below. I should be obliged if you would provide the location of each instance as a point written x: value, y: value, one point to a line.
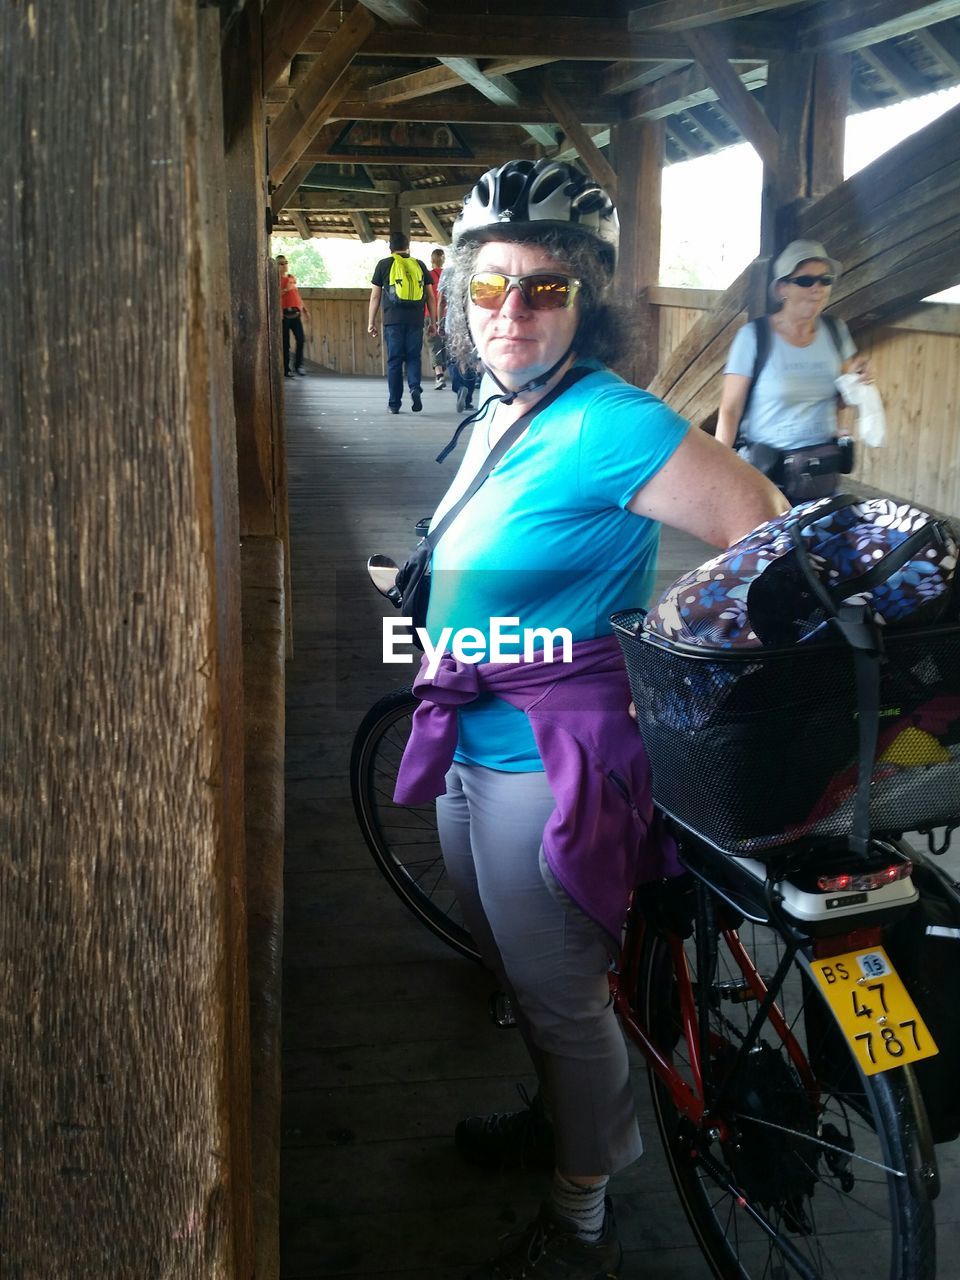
x: 871, y: 420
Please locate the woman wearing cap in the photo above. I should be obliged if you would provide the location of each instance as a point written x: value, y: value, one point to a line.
x: 790, y: 403
x: 543, y: 805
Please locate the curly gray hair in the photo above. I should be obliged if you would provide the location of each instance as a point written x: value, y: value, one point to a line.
x: 602, y: 329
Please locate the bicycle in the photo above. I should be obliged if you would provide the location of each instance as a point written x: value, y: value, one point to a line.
x: 778, y: 1037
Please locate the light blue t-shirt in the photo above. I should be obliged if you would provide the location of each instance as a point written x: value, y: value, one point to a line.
x: 548, y: 539
x: 794, y: 400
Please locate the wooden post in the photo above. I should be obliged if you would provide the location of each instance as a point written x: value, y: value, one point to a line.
x: 637, y: 147
x: 808, y: 97
x: 259, y: 445
x: 122, y: 895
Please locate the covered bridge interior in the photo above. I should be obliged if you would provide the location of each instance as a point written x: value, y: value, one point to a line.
x: 148, y: 614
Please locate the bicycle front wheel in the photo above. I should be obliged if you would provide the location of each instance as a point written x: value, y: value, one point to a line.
x: 403, y: 838
x: 807, y: 1167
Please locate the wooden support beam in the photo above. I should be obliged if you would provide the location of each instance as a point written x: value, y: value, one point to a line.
x: 831, y: 103
x: 300, y: 222
x: 845, y: 26
x: 289, y: 186
x: 567, y: 151
x: 316, y: 95
x: 680, y: 129
x: 362, y: 226
x: 895, y: 70
x: 453, y: 193
x: 682, y: 15
x: 468, y: 109
x: 484, y: 159
x: 431, y: 224
x: 499, y: 90
x: 942, y: 41
x: 743, y: 110
x: 399, y: 13
x: 593, y: 158
x: 622, y: 77
x: 596, y: 39
x: 420, y: 84
x: 681, y: 90
x: 286, y: 25
x: 638, y: 148
x: 336, y: 201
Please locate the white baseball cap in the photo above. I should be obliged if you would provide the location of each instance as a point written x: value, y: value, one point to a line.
x: 798, y: 251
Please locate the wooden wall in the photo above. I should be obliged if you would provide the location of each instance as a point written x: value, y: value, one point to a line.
x: 917, y: 368
x: 337, y: 335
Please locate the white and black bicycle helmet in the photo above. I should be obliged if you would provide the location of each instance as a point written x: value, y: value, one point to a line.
x: 507, y: 201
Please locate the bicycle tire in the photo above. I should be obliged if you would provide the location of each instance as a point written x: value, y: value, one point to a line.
x: 868, y: 1221
x: 402, y: 838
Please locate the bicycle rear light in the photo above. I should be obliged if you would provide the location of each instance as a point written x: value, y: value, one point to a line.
x: 864, y: 881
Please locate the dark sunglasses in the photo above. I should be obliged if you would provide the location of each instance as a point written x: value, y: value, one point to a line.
x: 807, y: 282
x: 542, y: 292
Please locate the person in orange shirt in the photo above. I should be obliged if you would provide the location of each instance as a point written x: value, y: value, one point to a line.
x: 293, y: 310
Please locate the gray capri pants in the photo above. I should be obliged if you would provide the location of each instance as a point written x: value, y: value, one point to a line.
x: 550, y: 957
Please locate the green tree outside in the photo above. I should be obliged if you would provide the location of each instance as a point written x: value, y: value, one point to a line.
x: 305, y: 260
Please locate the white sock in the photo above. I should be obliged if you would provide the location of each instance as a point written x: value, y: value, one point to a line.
x: 580, y: 1205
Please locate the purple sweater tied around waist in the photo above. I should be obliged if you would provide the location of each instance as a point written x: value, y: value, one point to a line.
x: 601, y: 839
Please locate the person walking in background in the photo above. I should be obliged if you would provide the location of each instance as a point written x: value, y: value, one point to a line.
x: 779, y: 402
x: 435, y: 339
x: 403, y: 286
x: 291, y: 305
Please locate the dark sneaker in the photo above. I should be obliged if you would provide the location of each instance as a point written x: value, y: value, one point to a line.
x: 513, y: 1140
x: 549, y: 1249
x: 287, y: 373
x: 416, y: 404
x: 302, y: 373
x: 393, y: 408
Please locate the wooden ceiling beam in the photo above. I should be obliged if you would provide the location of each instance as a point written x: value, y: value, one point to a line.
x: 399, y: 13
x: 844, y: 26
x: 423, y: 196
x: 942, y: 41
x: 583, y: 39
x: 566, y: 151
x: 316, y: 95
x: 432, y: 224
x: 420, y: 84
x: 737, y: 102
x: 499, y: 90
x: 590, y: 154
x: 362, y: 226
x: 286, y: 25
x: 300, y: 222
x: 680, y: 91
x: 624, y: 76
x: 485, y: 159
x: 288, y: 186
x: 340, y: 201
x: 682, y: 15
x: 468, y: 110
x: 890, y: 64
x: 687, y: 141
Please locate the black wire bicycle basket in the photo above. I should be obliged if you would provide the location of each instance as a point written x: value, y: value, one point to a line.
x: 756, y: 749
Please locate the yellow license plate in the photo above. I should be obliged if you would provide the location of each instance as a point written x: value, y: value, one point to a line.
x: 878, y: 1018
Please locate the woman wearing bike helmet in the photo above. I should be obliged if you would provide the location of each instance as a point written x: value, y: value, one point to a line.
x: 544, y: 802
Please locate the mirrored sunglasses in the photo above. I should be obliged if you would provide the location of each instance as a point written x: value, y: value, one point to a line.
x: 541, y: 292
x: 807, y: 282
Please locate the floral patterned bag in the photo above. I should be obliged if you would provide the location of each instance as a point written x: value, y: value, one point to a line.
x: 890, y: 556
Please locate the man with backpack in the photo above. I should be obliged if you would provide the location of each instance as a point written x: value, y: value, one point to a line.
x: 403, y: 286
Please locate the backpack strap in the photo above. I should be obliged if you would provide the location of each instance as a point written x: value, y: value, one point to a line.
x: 832, y: 326
x: 761, y: 327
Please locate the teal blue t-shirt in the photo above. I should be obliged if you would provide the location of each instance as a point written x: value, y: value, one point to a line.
x: 547, y: 539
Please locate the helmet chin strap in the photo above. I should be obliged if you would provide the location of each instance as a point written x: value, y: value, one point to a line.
x: 506, y: 397
x: 534, y: 384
